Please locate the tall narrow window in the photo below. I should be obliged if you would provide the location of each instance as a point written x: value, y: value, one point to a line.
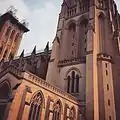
x: 12, y: 34
x: 57, y: 111
x: 1, y: 48
x: 5, y: 53
x: 8, y: 32
x: 77, y: 83
x: 101, y: 33
x: 73, y: 82
x: 36, y: 107
x: 68, y: 86
x: 16, y: 37
x: 82, y: 43
x: 11, y: 56
x: 71, y: 40
x: 110, y: 118
x: 72, y: 114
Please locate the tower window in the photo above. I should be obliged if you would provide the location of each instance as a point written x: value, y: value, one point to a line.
x: 11, y: 56
x: 73, y: 80
x: 16, y: 37
x: 5, y: 53
x: 68, y: 88
x: 109, y: 102
x: 110, y: 118
x: 106, y: 72
x: 77, y: 83
x: 12, y: 34
x: 106, y: 65
x: 72, y: 52
x: 8, y: 31
x: 107, y: 87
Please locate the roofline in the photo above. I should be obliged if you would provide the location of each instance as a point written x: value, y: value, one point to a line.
x: 9, y: 15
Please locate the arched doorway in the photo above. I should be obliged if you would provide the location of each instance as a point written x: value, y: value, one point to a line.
x: 4, y: 98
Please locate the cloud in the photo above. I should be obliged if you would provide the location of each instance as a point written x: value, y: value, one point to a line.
x: 42, y: 20
x: 43, y: 23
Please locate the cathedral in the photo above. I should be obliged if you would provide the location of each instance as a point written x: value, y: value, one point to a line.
x: 78, y: 79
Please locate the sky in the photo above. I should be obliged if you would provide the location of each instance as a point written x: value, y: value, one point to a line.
x: 42, y: 16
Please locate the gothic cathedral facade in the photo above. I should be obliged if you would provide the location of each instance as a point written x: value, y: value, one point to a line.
x: 77, y: 80
x: 85, y: 56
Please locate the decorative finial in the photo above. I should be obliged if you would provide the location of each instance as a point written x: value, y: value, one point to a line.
x: 22, y: 54
x: 47, y: 47
x: 34, y: 50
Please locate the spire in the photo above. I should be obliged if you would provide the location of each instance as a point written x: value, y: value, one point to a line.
x: 22, y: 54
x: 34, y: 50
x: 47, y: 47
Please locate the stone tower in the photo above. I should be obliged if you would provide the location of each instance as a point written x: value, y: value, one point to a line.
x: 85, y: 56
x: 11, y: 32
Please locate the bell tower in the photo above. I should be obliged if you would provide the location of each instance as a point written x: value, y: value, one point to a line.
x: 85, y: 56
x: 11, y: 32
x: 67, y: 67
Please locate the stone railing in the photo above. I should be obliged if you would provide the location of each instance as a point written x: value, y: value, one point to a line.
x: 71, y: 61
x: 42, y: 83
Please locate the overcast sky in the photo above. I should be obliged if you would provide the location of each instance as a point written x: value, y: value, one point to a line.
x: 42, y: 16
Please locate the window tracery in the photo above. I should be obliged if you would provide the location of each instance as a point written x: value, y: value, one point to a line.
x: 101, y: 20
x: 72, y: 40
x: 8, y: 31
x: 1, y: 48
x: 56, y: 111
x: 16, y: 37
x: 73, y: 80
x: 36, y: 106
x: 12, y: 34
x: 72, y: 114
x: 82, y: 44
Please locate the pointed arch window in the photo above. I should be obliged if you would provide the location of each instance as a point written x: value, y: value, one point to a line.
x: 72, y: 114
x: 68, y: 88
x: 11, y: 56
x: 71, y: 38
x: 36, y: 106
x: 12, y: 34
x: 82, y: 44
x: 77, y: 83
x: 101, y: 20
x: 73, y: 81
x: 1, y: 48
x: 16, y: 37
x: 57, y: 111
x: 8, y: 31
x: 5, y: 53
